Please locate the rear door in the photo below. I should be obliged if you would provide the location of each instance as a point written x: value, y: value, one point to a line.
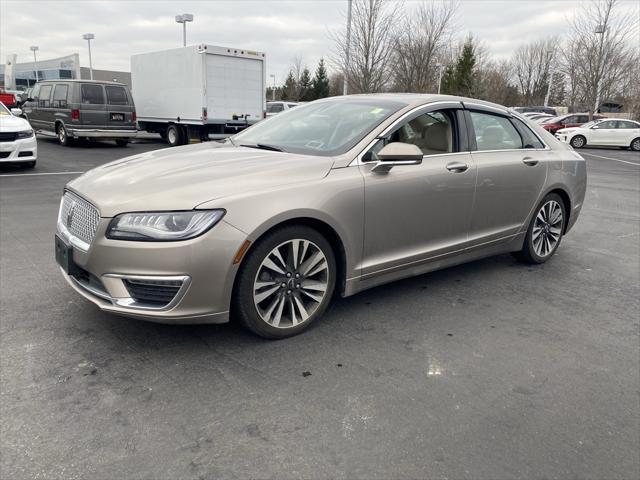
x: 93, y: 109
x: 119, y: 106
x: 512, y: 168
x: 234, y: 87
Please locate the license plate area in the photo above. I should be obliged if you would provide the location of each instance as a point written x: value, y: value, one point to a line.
x: 117, y: 117
x: 64, y: 256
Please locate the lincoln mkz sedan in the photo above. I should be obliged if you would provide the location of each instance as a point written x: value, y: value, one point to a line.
x: 332, y: 197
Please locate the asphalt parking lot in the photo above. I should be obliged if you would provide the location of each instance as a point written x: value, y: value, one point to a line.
x: 491, y: 370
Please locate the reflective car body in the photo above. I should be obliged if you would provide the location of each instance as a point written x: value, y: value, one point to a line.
x: 611, y: 132
x: 18, y: 142
x: 472, y: 195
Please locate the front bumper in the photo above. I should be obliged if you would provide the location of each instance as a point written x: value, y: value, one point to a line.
x: 101, y: 133
x: 202, y: 268
x: 23, y: 150
x: 563, y: 137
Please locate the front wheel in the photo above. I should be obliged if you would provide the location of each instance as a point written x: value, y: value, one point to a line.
x: 122, y: 142
x: 545, y: 231
x: 578, y: 141
x: 286, y: 282
x: 635, y: 144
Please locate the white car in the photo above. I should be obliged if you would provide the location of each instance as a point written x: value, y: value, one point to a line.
x: 609, y: 132
x: 273, y: 108
x: 17, y: 139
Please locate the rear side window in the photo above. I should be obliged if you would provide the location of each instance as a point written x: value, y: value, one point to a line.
x: 494, y: 132
x: 92, y: 94
x: 275, y: 108
x: 528, y: 137
x: 60, y: 96
x: 583, y: 118
x: 43, y: 97
x: 116, y: 95
x: 624, y: 124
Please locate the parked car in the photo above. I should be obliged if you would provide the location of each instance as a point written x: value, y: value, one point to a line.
x: 554, y: 124
x: 341, y: 194
x: 273, y: 108
x: 540, y: 118
x: 7, y: 98
x: 549, y: 110
x: 613, y: 133
x: 89, y: 109
x: 17, y: 139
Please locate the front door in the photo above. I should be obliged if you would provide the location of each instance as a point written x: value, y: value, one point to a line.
x: 417, y: 212
x: 512, y: 168
x: 604, y: 133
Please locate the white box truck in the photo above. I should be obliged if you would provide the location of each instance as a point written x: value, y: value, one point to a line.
x: 197, y: 91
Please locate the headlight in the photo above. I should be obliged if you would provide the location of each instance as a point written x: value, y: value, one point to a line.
x: 24, y: 134
x: 163, y: 226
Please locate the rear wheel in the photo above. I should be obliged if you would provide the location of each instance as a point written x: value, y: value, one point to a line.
x: 286, y: 282
x: 545, y: 231
x: 578, y: 141
x: 63, y: 137
x: 28, y: 165
x: 174, y: 135
x: 122, y: 142
x: 635, y: 144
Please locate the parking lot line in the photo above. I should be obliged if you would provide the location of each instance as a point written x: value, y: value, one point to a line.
x: 609, y: 158
x: 38, y: 174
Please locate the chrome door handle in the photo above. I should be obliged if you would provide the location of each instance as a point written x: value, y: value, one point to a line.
x: 529, y: 161
x: 457, y: 167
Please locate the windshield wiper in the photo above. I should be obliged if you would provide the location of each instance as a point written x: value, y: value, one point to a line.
x: 263, y: 146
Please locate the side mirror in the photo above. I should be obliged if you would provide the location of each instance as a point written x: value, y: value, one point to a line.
x: 595, y: 127
x: 16, y: 112
x: 397, y: 153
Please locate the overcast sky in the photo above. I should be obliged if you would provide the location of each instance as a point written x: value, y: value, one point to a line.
x: 282, y: 29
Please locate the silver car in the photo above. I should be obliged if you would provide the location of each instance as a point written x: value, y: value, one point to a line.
x: 332, y: 197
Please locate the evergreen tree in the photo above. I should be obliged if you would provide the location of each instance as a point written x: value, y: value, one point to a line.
x: 449, y: 85
x: 290, y: 88
x: 320, y: 81
x: 465, y: 70
x: 305, y: 88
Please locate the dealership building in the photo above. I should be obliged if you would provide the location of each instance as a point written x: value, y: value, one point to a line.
x: 16, y: 75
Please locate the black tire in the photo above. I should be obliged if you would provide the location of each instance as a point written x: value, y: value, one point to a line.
x: 244, y: 305
x: 63, y: 137
x: 578, y: 141
x: 122, y: 142
x: 28, y: 165
x: 635, y: 144
x: 163, y: 135
x: 174, y: 135
x: 528, y: 253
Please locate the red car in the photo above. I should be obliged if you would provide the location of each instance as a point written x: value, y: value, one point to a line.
x: 9, y: 99
x: 570, y: 120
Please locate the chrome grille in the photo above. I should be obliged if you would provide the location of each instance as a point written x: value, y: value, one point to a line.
x: 79, y: 217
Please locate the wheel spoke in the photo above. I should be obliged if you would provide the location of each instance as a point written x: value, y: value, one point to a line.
x: 314, y: 296
x: 319, y: 268
x: 268, y: 263
x: 303, y: 311
x: 311, y: 262
x: 314, y: 285
x: 295, y: 246
x: 278, y: 317
x: 262, y: 296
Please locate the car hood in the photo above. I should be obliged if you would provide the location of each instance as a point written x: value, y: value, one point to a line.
x: 184, y: 177
x: 10, y: 123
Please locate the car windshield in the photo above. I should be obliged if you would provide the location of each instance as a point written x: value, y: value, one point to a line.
x: 4, y: 110
x: 590, y: 124
x: 322, y: 128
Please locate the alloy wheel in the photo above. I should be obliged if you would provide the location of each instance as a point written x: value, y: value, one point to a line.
x: 577, y: 142
x: 547, y: 228
x: 291, y: 283
x: 635, y: 146
x: 62, y: 135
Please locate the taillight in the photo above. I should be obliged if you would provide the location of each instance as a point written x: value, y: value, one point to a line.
x: 75, y: 114
x: 204, y: 114
x: 133, y: 116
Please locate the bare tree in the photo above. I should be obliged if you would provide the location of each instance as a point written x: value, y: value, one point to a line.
x: 600, y: 52
x: 533, y: 66
x: 420, y: 44
x: 495, y: 83
x: 373, y: 27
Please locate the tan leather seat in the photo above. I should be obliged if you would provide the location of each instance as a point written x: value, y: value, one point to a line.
x: 436, y: 139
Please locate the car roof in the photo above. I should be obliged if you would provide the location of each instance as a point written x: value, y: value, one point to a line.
x: 418, y: 99
x: 75, y: 80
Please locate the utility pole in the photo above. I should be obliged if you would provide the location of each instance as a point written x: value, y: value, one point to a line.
x: 183, y: 19
x: 548, y: 95
x: 440, y: 66
x: 600, y: 30
x: 348, y: 47
x: 273, y: 90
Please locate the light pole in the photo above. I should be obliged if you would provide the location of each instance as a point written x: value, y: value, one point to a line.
x: 347, y: 52
x: 600, y: 30
x: 273, y: 90
x: 439, y: 66
x: 183, y: 19
x: 88, y: 37
x: 548, y: 95
x: 34, y: 49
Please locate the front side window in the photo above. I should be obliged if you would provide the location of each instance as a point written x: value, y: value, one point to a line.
x: 60, y: 96
x: 431, y: 132
x: 92, y: 94
x: 608, y: 125
x: 494, y: 132
x: 43, y: 98
x: 116, y: 95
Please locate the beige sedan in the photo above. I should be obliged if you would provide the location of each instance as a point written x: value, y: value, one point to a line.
x: 332, y: 197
